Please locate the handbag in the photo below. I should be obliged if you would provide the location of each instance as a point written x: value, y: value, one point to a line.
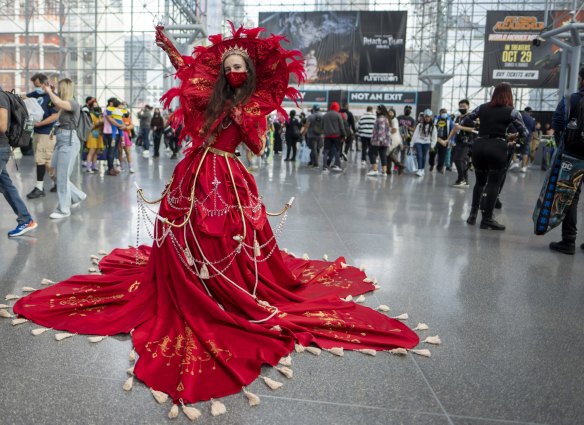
x: 411, y: 162
x: 304, y: 153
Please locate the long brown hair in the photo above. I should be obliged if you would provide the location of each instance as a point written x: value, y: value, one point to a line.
x: 502, y: 95
x: 224, y: 96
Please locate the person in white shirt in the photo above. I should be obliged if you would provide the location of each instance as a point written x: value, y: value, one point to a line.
x: 425, y: 137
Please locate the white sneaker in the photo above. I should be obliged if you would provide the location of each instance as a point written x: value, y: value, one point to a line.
x: 523, y: 170
x: 132, y: 171
x: 57, y: 215
x: 146, y: 154
x: 363, y: 163
x: 420, y: 173
x: 373, y: 173
x: 513, y: 166
x: 336, y: 168
x: 461, y: 184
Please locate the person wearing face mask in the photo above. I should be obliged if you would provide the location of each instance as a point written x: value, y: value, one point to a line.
x: 444, y: 125
x: 395, y: 150
x: 424, y: 138
x: 463, y: 138
x: 407, y: 125
x: 380, y: 142
x: 157, y: 126
x: 43, y: 142
x: 95, y: 137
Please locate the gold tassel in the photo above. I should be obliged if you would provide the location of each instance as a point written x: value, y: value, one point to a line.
x: 159, y: 396
x: 204, y: 272
x: 11, y: 297
x: 18, y: 322
x: 348, y: 298
x: 94, y: 339
x: 4, y: 314
x: 368, y: 351
x: 276, y: 328
x: 325, y: 257
x: 361, y: 299
x: 130, y: 371
x: 101, y: 252
x: 286, y: 361
x: 398, y: 351
x: 383, y: 308
x: 46, y: 281
x: 39, y: 331
x: 429, y: 340
x: 173, y: 414
x: 313, y: 350
x: 191, y: 412
x: 337, y: 351
x: 299, y: 348
x: 217, y: 408
x: 256, y: 249
x: 28, y: 289
x: 252, y: 399
x: 286, y: 371
x: 128, y: 384
x: 132, y: 356
x: 423, y: 352
x: 421, y: 327
x: 305, y: 256
x: 274, y: 385
x: 61, y: 336
x: 402, y: 317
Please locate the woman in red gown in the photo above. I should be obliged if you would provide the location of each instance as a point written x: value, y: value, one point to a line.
x: 214, y: 299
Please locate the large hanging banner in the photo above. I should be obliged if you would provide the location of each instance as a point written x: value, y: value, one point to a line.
x: 510, y: 55
x: 345, y: 47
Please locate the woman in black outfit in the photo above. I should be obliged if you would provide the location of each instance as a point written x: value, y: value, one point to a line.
x: 293, y: 127
x: 157, y: 126
x: 489, y: 151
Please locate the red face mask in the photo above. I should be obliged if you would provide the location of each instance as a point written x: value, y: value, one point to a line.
x: 236, y: 79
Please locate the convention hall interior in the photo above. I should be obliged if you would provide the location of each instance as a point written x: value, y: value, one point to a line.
x: 385, y: 231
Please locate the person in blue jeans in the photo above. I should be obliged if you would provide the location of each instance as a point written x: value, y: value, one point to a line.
x: 425, y: 137
x: 24, y: 219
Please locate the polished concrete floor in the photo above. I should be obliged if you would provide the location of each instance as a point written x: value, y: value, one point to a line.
x: 509, y: 312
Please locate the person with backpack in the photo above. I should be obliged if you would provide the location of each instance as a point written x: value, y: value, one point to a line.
x: 569, y: 125
x: 313, y: 128
x: 334, y: 134
x: 293, y: 136
x: 23, y: 217
x: 66, y: 149
x: 43, y: 143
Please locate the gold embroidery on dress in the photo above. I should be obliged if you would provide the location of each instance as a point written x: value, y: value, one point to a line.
x: 134, y: 286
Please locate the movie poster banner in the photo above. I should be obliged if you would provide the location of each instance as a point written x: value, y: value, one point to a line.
x: 345, y: 47
x: 510, y: 55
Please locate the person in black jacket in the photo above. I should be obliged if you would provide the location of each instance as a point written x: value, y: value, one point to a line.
x: 293, y: 127
x: 569, y: 230
x: 489, y: 152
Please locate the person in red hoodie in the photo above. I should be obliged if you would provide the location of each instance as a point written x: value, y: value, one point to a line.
x: 334, y: 133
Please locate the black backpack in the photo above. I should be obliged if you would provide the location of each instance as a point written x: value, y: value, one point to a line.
x: 20, y: 127
x: 317, y: 125
x: 574, y: 135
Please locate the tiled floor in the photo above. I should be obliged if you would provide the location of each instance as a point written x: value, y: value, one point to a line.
x: 510, y: 312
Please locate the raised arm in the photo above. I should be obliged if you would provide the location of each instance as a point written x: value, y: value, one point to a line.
x: 165, y: 44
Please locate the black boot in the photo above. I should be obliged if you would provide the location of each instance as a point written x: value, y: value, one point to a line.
x: 488, y: 222
x: 565, y: 247
x: 498, y: 204
x: 582, y: 246
x: 472, y: 218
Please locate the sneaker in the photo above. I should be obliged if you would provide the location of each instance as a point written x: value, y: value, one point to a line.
x: 336, y: 168
x: 564, y: 247
x: 92, y: 171
x: 57, y: 215
x: 373, y: 173
x: 132, y: 171
x: 21, y: 229
x: 146, y: 154
x: 523, y: 170
x: 53, y: 189
x: 513, y: 166
x: 344, y: 156
x: 325, y: 170
x: 420, y: 173
x: 363, y: 163
x: 460, y: 185
x: 35, y: 193
x: 467, y: 184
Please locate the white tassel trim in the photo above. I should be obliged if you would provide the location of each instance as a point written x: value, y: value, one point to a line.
x: 305, y: 256
x: 46, y: 281
x: 28, y: 289
x: 101, y: 252
x: 130, y: 371
x: 398, y: 351
x: 93, y: 270
x: 402, y: 317
x: 423, y: 352
x: 159, y: 396
x: 94, y: 339
x: 11, y: 297
x: 376, y: 287
x: 348, y: 298
x: 39, y: 331
x: 191, y: 412
x: 276, y: 328
x: 325, y: 257
x: 368, y: 351
x: 299, y: 348
x: 337, y: 351
x: 4, y: 314
x: 95, y: 262
x: 5, y: 306
x: 368, y: 280
x: 132, y: 356
x: 93, y: 257
x: 429, y: 340
x: 362, y: 267
x: 286, y: 361
x: 421, y: 327
x: 360, y: 299
x: 274, y: 385
x: 285, y: 250
x: 313, y: 350
x: 344, y: 265
x: 257, y: 252
x: 286, y: 371
x: 252, y: 399
x: 204, y: 272
x: 383, y: 308
x: 128, y: 384
x: 173, y: 414
x: 18, y: 322
x: 218, y: 408
x: 63, y: 335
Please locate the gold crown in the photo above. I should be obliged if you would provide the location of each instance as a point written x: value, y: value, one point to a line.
x: 234, y: 50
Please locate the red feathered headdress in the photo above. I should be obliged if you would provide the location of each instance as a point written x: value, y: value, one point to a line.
x: 199, y: 73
